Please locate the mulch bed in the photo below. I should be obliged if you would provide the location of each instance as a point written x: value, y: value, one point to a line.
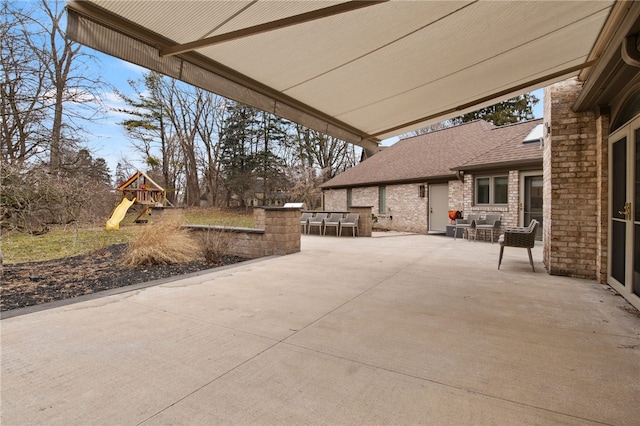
x: 34, y: 283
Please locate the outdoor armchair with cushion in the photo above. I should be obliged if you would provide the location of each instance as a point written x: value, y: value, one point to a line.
x: 333, y: 221
x: 465, y: 224
x: 317, y: 220
x: 304, y: 221
x: 490, y: 223
x: 519, y: 237
x: 351, y: 221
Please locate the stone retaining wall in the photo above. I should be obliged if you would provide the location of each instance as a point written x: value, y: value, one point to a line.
x: 277, y: 232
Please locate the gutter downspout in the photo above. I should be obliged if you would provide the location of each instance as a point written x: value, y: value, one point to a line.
x: 630, y: 50
x: 460, y: 175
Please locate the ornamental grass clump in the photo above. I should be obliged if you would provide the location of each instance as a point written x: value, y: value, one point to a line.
x: 162, y: 242
x: 215, y: 244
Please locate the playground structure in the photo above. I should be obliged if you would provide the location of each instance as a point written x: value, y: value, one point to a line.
x: 139, y: 189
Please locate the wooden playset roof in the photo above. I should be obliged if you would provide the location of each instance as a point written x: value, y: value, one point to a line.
x: 135, y: 177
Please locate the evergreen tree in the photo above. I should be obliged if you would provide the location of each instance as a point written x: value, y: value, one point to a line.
x: 273, y: 135
x: 82, y: 165
x: 238, y: 155
x: 512, y: 110
x: 121, y: 174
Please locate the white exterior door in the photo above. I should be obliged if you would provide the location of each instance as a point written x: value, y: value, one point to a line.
x: 623, y: 266
x: 438, y: 207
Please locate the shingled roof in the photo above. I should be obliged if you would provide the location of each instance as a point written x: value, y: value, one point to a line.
x: 437, y: 155
x: 510, y: 151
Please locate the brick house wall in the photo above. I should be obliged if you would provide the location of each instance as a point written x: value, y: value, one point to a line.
x: 456, y: 195
x: 335, y: 199
x: 573, y: 193
x: 407, y: 212
x: 509, y: 212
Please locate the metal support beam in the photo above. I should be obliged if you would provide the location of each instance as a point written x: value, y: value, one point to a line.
x: 497, y: 95
x: 269, y: 26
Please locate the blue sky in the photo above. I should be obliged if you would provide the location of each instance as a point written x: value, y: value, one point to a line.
x: 108, y: 139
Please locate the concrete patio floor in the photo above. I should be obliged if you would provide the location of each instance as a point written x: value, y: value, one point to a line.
x: 395, y: 329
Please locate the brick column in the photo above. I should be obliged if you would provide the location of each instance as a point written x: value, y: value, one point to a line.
x: 468, y: 196
x: 282, y: 230
x: 511, y: 216
x: 570, y: 185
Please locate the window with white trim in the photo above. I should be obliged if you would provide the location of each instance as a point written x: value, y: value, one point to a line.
x: 492, y: 190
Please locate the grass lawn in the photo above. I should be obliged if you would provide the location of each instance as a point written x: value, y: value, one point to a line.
x: 71, y: 240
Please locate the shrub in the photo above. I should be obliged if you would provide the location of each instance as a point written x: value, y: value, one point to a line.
x: 163, y: 241
x: 32, y: 198
x: 215, y: 244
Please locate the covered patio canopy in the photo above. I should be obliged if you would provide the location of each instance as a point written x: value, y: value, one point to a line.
x: 361, y: 71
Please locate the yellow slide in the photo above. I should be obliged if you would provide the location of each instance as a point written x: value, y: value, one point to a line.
x: 113, y: 224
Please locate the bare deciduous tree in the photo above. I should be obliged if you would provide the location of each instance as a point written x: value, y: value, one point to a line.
x: 49, y: 90
x: 174, y: 126
x: 208, y: 129
x: 22, y: 89
x: 331, y: 155
x: 151, y: 132
x: 186, y: 108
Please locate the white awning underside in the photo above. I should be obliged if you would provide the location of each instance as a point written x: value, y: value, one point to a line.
x: 361, y: 75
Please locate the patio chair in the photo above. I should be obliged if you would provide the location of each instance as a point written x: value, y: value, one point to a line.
x: 333, y: 221
x: 317, y: 220
x: 490, y: 223
x: 465, y: 224
x: 351, y: 221
x: 304, y: 221
x: 519, y: 237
